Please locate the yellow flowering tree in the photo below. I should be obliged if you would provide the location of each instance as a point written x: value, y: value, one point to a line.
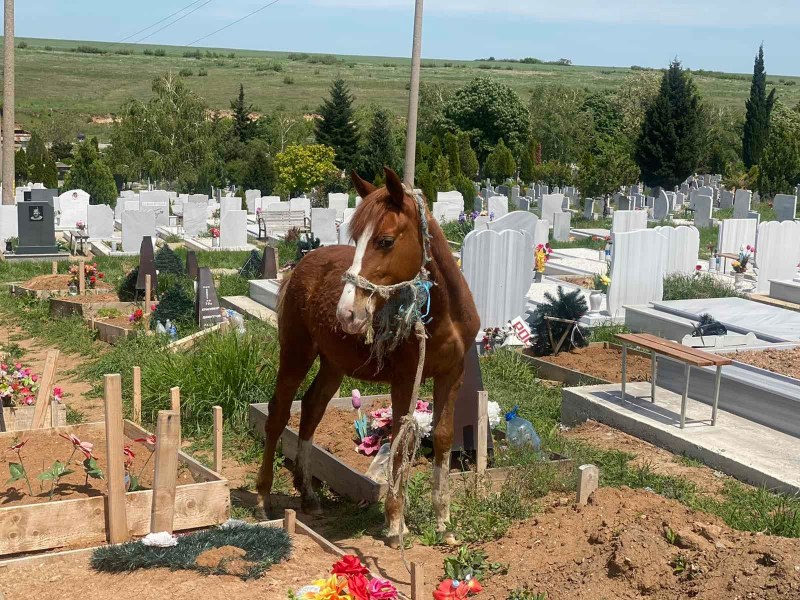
x: 301, y: 168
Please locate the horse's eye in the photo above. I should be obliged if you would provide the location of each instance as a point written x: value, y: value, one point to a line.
x: 385, y: 243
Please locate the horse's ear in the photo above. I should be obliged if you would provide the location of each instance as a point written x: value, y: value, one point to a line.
x: 364, y: 188
x: 394, y: 186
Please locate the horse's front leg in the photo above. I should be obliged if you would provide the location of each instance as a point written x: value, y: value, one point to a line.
x: 394, y: 505
x: 445, y: 391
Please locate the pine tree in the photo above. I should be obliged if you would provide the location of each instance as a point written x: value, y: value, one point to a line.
x: 90, y: 174
x: 670, y: 144
x: 527, y: 164
x: 336, y: 126
x: 168, y: 262
x: 759, y: 108
x: 242, y: 123
x: 467, y: 156
x: 21, y: 166
x: 452, y: 151
x: 379, y: 150
x: 500, y: 163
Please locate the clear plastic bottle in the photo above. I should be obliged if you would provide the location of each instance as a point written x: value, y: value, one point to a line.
x: 520, y: 432
x: 379, y: 469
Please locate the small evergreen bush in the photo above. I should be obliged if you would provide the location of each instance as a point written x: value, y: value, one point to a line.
x: 127, y: 286
x: 176, y: 305
x: 168, y: 262
x: 567, y: 305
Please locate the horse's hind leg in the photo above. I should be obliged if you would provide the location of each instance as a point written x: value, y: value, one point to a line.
x: 295, y: 361
x: 315, y: 401
x: 445, y: 392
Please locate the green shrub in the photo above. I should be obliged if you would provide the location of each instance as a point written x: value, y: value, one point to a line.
x: 89, y: 50
x: 288, y: 80
x: 22, y: 45
x: 202, y: 73
x: 176, y: 305
x: 193, y: 54
x: 147, y: 52
x: 185, y: 72
x: 126, y: 290
x: 160, y: 52
x: 168, y: 262
x: 685, y: 287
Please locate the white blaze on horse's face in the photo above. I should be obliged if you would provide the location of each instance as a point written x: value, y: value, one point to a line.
x: 354, y: 316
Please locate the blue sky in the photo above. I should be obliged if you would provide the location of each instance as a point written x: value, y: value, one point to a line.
x: 704, y: 34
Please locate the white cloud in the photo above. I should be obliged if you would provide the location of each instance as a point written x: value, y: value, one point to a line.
x: 691, y: 13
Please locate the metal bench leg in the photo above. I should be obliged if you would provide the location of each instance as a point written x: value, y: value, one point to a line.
x: 624, y: 367
x: 716, y: 395
x: 686, y: 371
x: 653, y: 377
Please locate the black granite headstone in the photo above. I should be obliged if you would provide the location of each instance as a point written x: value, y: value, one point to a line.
x: 465, y: 419
x: 206, y: 304
x: 36, y: 226
x: 191, y: 265
x: 269, y: 263
x: 147, y: 265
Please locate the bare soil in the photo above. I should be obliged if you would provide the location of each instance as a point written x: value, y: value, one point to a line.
x: 584, y: 282
x: 120, y: 321
x: 602, y: 363
x: 46, y: 446
x: 57, y: 282
x: 92, y: 299
x: 784, y: 362
x: 73, y: 577
x: 336, y: 435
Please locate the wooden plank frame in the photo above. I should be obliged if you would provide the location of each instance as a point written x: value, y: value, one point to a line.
x: 83, y: 521
x: 346, y: 481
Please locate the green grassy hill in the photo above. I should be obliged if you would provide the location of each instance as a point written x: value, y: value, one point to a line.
x: 52, y: 75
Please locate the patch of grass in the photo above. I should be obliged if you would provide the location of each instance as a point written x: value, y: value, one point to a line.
x: 606, y: 333
x: 688, y: 461
x: 683, y: 287
x: 75, y: 417
x: 12, y: 352
x: 232, y: 285
x: 525, y: 593
x: 583, y: 242
x: 709, y: 236
x: 348, y: 520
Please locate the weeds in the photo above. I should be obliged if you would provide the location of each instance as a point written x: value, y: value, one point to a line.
x: 683, y: 287
x: 469, y: 562
x: 524, y: 593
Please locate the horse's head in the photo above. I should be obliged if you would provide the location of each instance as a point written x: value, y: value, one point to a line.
x: 389, y: 248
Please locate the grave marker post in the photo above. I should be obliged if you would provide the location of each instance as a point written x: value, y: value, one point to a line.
x: 115, y: 469
x: 166, y: 471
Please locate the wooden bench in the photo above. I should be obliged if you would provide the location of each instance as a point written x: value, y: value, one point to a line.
x: 690, y: 357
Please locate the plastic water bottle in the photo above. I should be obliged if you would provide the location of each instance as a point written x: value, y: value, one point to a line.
x: 160, y: 328
x: 520, y: 432
x: 379, y: 469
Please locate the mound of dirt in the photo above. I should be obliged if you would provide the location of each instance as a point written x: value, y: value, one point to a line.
x: 229, y: 559
x: 783, y: 362
x: 602, y: 363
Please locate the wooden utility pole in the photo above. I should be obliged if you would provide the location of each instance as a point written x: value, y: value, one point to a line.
x: 8, y: 102
x: 413, y: 98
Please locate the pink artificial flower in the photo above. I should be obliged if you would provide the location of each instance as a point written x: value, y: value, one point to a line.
x: 129, y: 455
x: 34, y: 378
x: 85, y: 447
x: 29, y: 401
x: 423, y: 406
x: 370, y: 445
x: 381, y: 418
x: 381, y: 589
x: 4, y: 366
x: 150, y: 439
x: 58, y: 392
x: 356, y: 399
x: 17, y: 366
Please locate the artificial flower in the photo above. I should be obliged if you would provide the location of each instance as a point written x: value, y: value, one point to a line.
x: 330, y: 589
x: 129, y: 455
x: 18, y: 446
x: 381, y: 589
x: 356, y: 399
x: 349, y: 564
x: 423, y: 406
x: 150, y: 439
x: 357, y: 587
x: 449, y: 590
x: 370, y: 445
x: 495, y: 414
x: 85, y: 447
x: 381, y: 418
x: 424, y: 422
x: 472, y: 584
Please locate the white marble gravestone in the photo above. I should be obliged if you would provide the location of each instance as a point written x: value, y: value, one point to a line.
x: 481, y: 223
x: 250, y: 198
x: 777, y: 252
x: 561, y: 226
x: 228, y: 204
x: 345, y: 239
x: 551, y: 204
x: 156, y: 202
x: 735, y: 233
x: 233, y: 228
x: 497, y: 267
x: 702, y: 211
x: 303, y: 204
x: 726, y: 199
x: 741, y: 204
x: 624, y: 221
x: 785, y: 207
x: 9, y: 225
x: 195, y: 217
x: 497, y: 206
x: 661, y: 207
x: 637, y: 269
x: 338, y: 202
x: 682, y: 249
x: 100, y: 221
x: 519, y: 221
x: 137, y: 225
x: 323, y: 225
x: 74, y: 206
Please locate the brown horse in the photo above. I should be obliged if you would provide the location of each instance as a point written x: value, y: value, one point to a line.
x: 319, y: 315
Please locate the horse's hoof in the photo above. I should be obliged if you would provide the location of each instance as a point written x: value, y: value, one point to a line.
x: 312, y: 506
x: 393, y: 541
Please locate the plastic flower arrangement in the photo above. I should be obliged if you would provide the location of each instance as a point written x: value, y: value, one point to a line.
x: 541, y: 256
x: 349, y: 580
x: 214, y: 231
x: 90, y: 272
x: 697, y: 270
x: 18, y: 386
x: 740, y: 265
x: 380, y: 427
x: 136, y: 317
x: 452, y: 589
x: 80, y: 225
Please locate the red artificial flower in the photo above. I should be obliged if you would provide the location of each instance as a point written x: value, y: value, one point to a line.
x: 357, y: 587
x: 93, y: 279
x: 150, y: 439
x: 18, y: 446
x: 129, y: 455
x: 449, y: 590
x: 473, y: 586
x: 100, y: 275
x: 85, y: 447
x: 349, y: 565
x: 698, y: 268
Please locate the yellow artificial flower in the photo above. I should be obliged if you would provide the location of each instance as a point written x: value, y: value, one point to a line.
x: 735, y: 263
x: 605, y: 279
x: 329, y: 589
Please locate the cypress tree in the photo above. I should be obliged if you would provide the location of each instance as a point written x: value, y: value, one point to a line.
x: 500, y: 163
x: 759, y: 108
x: 242, y: 124
x: 379, y: 150
x: 527, y: 164
x: 453, y: 155
x: 90, y: 174
x: 670, y: 143
x: 21, y: 166
x: 466, y: 156
x: 337, y: 127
